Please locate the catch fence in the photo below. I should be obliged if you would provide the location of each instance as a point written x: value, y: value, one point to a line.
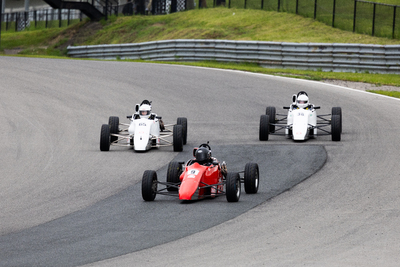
x: 43, y: 18
x: 359, y: 16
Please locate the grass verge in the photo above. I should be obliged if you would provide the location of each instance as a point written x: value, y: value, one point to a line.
x: 388, y: 93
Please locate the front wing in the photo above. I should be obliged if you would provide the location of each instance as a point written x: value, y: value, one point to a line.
x: 281, y: 124
x: 124, y: 138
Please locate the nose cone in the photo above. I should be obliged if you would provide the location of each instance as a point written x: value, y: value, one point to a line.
x: 188, y: 189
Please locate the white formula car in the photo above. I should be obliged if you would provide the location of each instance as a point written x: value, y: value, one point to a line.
x: 301, y: 122
x: 145, y: 131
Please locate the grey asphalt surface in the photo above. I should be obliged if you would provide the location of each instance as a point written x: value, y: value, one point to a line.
x: 64, y: 197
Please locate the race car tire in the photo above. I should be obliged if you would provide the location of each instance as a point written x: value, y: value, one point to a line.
x: 335, y: 128
x: 264, y: 128
x: 233, y: 188
x: 105, y: 137
x: 271, y: 112
x: 251, y: 178
x: 177, y: 138
x: 149, y: 185
x: 183, y: 121
x: 173, y: 173
x: 113, y: 121
x: 338, y: 111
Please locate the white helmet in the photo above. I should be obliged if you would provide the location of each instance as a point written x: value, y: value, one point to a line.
x: 302, y: 101
x: 144, y: 111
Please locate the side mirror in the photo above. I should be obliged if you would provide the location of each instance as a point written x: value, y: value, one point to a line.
x: 137, y: 107
x: 317, y: 107
x: 294, y: 98
x: 194, y: 151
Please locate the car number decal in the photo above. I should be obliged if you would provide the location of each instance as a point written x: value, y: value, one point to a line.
x: 142, y: 124
x: 193, y: 172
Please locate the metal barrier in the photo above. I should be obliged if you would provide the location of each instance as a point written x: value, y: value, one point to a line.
x: 314, y: 56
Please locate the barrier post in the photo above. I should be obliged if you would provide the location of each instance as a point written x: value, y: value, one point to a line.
x: 1, y: 18
x: 394, y: 22
x: 333, y: 13
x: 354, y: 16
x: 373, y: 20
x: 315, y: 9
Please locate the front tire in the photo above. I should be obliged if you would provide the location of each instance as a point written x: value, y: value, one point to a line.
x: 232, y: 187
x: 173, y: 174
x: 251, y: 178
x: 149, y: 185
x: 271, y: 112
x: 264, y: 128
x: 183, y: 121
x: 113, y: 121
x: 105, y: 137
x: 338, y: 111
x: 335, y: 127
x: 177, y: 138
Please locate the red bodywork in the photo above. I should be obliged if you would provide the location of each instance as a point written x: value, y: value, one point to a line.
x: 199, y: 181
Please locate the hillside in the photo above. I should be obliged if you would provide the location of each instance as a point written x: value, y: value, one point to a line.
x: 213, y: 23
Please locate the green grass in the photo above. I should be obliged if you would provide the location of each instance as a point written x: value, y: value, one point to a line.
x: 230, y: 24
x: 388, y: 93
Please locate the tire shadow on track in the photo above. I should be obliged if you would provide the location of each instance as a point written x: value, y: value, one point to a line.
x: 124, y: 223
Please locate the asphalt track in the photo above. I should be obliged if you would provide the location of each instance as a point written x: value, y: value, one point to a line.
x: 65, y: 203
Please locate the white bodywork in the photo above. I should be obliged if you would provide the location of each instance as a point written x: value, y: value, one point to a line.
x: 300, y: 121
x: 144, y: 133
x: 145, y: 130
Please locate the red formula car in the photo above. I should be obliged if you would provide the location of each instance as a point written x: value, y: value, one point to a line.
x: 201, y: 177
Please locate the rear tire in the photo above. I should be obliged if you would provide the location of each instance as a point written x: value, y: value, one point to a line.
x: 251, y: 178
x: 232, y: 187
x: 149, y: 185
x: 105, y: 137
x: 114, y: 127
x: 177, y: 138
x: 271, y: 112
x: 335, y: 127
x: 338, y: 111
x: 183, y: 121
x: 174, y: 171
x: 264, y: 128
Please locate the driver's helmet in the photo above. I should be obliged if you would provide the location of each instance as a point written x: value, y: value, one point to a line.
x: 203, y: 154
x: 144, y: 111
x: 302, y: 101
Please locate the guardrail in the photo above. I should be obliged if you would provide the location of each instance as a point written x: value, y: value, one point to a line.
x: 316, y: 56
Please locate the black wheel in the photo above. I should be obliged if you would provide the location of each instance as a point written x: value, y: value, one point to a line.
x: 271, y: 112
x: 183, y: 121
x: 338, y: 111
x: 149, y: 185
x: 174, y: 171
x: 105, y: 137
x: 311, y: 133
x: 114, y: 127
x: 335, y: 127
x: 177, y: 138
x: 264, y: 128
x: 251, y: 178
x: 232, y: 187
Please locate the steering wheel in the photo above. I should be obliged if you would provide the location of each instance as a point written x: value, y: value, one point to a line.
x: 205, y: 145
